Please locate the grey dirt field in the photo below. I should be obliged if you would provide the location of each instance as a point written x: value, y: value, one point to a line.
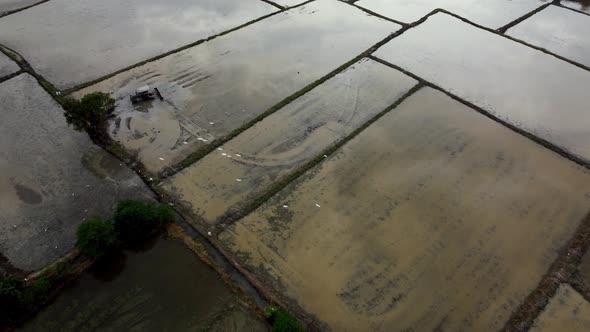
x: 51, y: 177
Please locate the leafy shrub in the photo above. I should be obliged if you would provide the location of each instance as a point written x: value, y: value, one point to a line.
x: 90, y: 114
x: 270, y: 312
x: 282, y: 321
x: 18, y: 300
x: 135, y: 220
x: 96, y: 237
x: 10, y: 295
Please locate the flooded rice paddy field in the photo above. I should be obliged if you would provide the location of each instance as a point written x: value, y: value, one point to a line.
x: 489, y: 13
x: 275, y: 147
x: 7, y: 66
x: 567, y: 311
x: 216, y: 87
x: 557, y: 30
x: 370, y: 202
x: 77, y: 41
x: 417, y: 223
x: 149, y: 291
x: 524, y: 87
x: 51, y: 177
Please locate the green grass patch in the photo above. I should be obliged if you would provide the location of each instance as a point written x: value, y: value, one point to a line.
x: 281, y: 320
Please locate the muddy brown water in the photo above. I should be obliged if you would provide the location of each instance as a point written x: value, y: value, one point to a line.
x: 275, y: 147
x: 490, y: 13
x: 27, y: 195
x: 162, y: 288
x: 531, y: 90
x: 418, y: 223
x: 214, y: 88
x: 559, y: 30
x: 566, y: 311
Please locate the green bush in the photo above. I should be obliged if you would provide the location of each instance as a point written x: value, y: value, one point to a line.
x: 19, y: 300
x: 10, y: 303
x: 96, y: 237
x: 135, y: 221
x: 282, y: 321
x: 90, y: 114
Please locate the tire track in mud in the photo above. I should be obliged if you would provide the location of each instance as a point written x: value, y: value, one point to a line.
x: 200, y: 153
x: 177, y: 50
x: 234, y: 277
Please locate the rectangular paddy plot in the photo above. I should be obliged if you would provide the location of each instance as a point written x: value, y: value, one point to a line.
x: 216, y: 87
x: 529, y: 89
x: 417, y: 224
x: 51, y: 177
x: 245, y: 167
x: 584, y: 268
x: 559, y: 30
x: 567, y: 311
x: 70, y: 42
x: 490, y: 13
x: 7, y: 66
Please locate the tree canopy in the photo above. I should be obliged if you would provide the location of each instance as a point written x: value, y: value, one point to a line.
x: 96, y: 237
x: 90, y: 114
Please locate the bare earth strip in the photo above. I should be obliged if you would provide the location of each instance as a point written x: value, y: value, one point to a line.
x: 526, y: 88
x: 51, y: 177
x: 418, y: 223
x: 247, y: 165
x: 567, y: 311
x: 71, y: 42
x: 216, y: 87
